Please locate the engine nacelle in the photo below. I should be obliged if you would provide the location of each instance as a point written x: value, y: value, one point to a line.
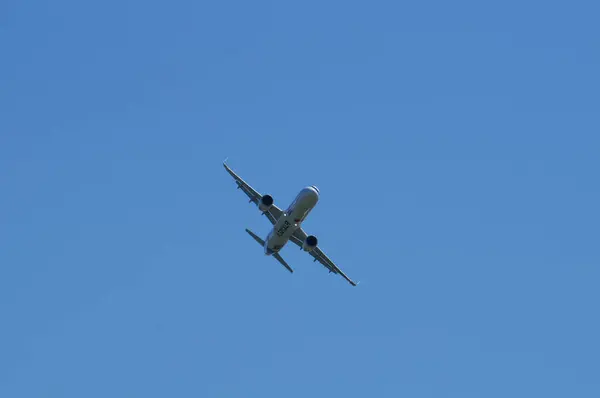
x: 309, y: 243
x: 265, y: 203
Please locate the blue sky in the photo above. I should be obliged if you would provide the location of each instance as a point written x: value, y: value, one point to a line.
x: 455, y: 146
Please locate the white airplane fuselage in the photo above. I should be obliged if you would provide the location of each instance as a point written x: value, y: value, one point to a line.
x: 291, y: 219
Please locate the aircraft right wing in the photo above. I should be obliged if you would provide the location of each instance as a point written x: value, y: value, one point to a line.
x: 274, y: 212
x: 299, y: 237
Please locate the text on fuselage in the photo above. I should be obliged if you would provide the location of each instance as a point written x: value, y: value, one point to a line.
x: 283, y: 228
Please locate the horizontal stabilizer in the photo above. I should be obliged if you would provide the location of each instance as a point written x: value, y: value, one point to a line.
x: 256, y: 238
x: 282, y: 261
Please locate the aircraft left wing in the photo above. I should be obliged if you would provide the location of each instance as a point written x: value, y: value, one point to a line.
x: 299, y: 237
x: 272, y: 214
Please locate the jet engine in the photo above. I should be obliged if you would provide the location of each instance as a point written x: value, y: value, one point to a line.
x: 265, y: 203
x: 309, y: 243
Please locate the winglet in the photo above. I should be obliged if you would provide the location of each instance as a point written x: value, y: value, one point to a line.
x: 350, y: 280
x: 228, y: 168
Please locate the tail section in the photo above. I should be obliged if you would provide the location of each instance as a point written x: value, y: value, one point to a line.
x: 276, y: 255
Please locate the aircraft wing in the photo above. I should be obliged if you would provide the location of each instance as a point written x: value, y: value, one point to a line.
x: 274, y: 212
x: 299, y: 237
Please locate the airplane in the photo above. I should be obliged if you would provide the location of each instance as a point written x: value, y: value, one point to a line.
x: 287, y: 224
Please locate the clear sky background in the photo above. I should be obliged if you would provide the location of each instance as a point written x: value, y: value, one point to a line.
x: 456, y: 146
